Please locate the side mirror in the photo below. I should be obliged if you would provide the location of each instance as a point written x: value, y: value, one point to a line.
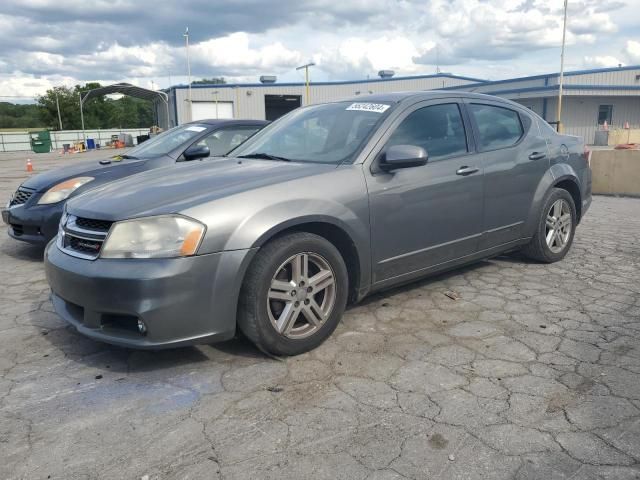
x: 403, y: 156
x: 196, y: 151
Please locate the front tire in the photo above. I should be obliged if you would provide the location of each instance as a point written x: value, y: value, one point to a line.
x: 556, y: 228
x: 294, y: 294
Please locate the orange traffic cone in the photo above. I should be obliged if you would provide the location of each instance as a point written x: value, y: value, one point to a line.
x: 29, y: 165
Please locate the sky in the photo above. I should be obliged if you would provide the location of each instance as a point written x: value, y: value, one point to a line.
x: 45, y: 43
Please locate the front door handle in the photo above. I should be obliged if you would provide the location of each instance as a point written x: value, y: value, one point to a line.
x: 537, y: 156
x: 466, y: 170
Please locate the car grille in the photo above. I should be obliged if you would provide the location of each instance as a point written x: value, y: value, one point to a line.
x: 82, y: 237
x: 91, y: 224
x: 21, y: 196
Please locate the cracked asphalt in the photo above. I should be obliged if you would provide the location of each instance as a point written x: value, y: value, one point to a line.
x: 533, y: 372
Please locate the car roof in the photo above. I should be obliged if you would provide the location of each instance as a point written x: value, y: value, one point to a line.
x: 230, y: 122
x: 397, y: 97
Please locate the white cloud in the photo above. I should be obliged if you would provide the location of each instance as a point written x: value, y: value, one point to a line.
x: 363, y: 55
x: 602, y: 61
x: 51, y: 41
x: 235, y: 53
x: 632, y: 51
x: 19, y: 86
x: 590, y: 22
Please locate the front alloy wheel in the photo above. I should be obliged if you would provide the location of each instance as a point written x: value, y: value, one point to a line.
x: 302, y: 295
x: 294, y: 294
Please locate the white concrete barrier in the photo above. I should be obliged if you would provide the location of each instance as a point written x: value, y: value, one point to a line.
x: 21, y: 141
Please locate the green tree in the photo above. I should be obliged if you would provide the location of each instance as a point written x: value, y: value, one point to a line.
x: 19, y: 115
x: 69, y: 108
x: 99, y: 112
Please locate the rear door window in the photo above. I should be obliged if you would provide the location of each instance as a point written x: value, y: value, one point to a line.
x: 498, y: 127
x: 438, y: 129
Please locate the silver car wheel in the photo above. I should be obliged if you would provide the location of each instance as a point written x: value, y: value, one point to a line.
x: 301, y: 295
x: 558, y: 226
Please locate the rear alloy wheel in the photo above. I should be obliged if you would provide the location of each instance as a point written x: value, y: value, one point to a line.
x: 294, y: 294
x: 555, y: 229
x: 558, y: 226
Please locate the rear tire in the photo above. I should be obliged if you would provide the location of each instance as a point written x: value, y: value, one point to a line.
x: 294, y: 294
x: 555, y: 229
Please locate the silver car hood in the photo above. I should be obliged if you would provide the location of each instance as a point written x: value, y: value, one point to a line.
x: 179, y: 187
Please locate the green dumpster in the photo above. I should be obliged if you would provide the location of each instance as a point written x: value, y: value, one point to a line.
x: 41, y: 141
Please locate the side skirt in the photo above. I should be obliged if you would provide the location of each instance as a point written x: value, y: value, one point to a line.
x: 442, y: 267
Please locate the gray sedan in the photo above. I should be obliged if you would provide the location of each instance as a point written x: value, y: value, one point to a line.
x: 324, y: 206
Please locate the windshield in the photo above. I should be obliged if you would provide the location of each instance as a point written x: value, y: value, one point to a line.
x: 166, y: 141
x: 329, y: 133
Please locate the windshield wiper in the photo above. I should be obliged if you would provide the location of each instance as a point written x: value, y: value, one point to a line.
x: 128, y: 157
x: 265, y: 156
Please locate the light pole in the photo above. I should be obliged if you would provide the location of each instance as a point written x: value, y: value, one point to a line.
x: 186, y: 39
x: 84, y: 137
x: 58, y: 107
x: 561, y: 81
x: 306, y: 78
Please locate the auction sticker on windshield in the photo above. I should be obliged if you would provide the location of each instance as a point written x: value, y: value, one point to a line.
x: 196, y: 129
x: 368, y: 107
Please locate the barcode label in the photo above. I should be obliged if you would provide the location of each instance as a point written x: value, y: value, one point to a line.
x: 368, y: 107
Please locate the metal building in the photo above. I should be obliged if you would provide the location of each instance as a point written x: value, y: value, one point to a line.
x: 268, y: 101
x: 590, y: 96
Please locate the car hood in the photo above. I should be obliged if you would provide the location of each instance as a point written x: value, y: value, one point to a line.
x: 44, y: 181
x: 176, y: 188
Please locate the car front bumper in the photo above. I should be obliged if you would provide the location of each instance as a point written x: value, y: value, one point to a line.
x: 36, y: 224
x: 181, y: 301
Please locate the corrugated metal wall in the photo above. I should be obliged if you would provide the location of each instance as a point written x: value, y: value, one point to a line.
x: 249, y: 100
x: 611, y: 77
x: 580, y: 107
x: 580, y: 115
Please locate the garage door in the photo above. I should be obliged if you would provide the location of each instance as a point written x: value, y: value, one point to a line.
x: 202, y: 110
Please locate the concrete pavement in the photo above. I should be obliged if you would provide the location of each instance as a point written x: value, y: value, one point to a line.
x: 532, y: 373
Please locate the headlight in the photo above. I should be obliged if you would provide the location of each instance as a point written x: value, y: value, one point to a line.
x: 153, y: 237
x: 63, y: 190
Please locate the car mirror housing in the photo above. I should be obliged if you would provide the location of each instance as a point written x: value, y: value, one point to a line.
x: 403, y: 156
x: 196, y: 151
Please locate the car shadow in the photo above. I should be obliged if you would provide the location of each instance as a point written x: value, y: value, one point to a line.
x: 21, y: 250
x: 131, y: 361
x: 421, y: 282
x: 121, y: 360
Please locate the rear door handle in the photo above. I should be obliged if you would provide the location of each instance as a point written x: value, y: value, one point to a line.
x: 464, y: 171
x: 537, y: 156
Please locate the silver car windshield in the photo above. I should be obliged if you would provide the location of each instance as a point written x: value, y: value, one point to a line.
x: 167, y: 141
x: 329, y: 133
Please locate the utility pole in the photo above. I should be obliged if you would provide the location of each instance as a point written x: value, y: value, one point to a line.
x: 58, y: 107
x: 561, y: 82
x: 186, y: 38
x: 84, y: 138
x: 306, y: 78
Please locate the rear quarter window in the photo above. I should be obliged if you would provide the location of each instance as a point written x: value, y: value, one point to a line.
x: 498, y: 127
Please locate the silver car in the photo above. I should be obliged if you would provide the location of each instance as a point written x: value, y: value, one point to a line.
x: 326, y: 205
